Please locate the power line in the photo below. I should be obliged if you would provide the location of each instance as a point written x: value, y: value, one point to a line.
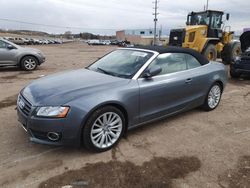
x: 155, y: 19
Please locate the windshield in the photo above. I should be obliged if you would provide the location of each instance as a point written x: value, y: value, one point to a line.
x: 121, y: 63
x: 200, y: 19
x: 204, y: 19
x: 216, y: 21
x: 11, y: 43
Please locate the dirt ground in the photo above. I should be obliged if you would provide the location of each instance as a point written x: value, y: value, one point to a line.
x: 191, y: 150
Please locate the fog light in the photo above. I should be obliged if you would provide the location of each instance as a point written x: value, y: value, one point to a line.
x: 52, y: 136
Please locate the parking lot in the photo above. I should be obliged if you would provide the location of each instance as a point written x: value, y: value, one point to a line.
x: 192, y: 149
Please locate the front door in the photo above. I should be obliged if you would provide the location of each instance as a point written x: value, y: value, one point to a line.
x: 167, y: 92
x: 7, y: 56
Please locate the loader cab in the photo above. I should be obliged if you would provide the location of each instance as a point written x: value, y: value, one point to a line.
x: 212, y: 19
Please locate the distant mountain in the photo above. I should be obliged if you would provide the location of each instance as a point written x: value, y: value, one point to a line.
x: 67, y: 34
x: 26, y: 32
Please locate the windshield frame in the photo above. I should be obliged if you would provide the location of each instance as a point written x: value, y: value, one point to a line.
x: 210, y: 15
x: 10, y: 43
x: 139, y: 71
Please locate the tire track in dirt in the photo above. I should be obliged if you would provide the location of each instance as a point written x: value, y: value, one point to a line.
x: 9, y: 101
x: 238, y: 177
x: 25, y: 173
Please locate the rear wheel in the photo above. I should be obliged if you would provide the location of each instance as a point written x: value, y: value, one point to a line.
x: 213, y: 97
x: 29, y: 63
x: 230, y: 51
x: 103, y: 129
x: 210, y: 52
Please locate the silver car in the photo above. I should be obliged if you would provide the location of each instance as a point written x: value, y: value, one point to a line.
x: 126, y: 88
x: 13, y: 55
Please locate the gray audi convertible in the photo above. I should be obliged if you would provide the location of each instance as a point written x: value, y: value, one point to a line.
x: 96, y: 105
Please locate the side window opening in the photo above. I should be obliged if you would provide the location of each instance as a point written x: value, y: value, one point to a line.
x: 170, y: 63
x: 192, y: 62
x: 3, y: 44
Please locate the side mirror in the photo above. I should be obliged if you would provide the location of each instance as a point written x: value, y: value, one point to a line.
x: 227, y: 16
x: 10, y: 47
x: 153, y: 71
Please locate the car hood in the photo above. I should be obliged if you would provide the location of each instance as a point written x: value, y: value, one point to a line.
x: 61, y: 88
x: 245, y: 41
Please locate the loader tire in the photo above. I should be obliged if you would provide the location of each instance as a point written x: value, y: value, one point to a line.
x: 230, y: 51
x: 210, y: 52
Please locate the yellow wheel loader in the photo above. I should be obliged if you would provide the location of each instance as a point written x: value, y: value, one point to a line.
x: 206, y: 33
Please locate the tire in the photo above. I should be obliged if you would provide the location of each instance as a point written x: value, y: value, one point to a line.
x: 109, y: 135
x: 234, y: 74
x: 230, y: 51
x: 29, y: 63
x: 213, y: 97
x: 210, y: 52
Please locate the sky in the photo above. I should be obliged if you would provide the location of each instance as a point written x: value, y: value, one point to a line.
x: 107, y: 16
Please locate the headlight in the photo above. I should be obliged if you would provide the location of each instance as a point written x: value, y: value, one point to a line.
x: 40, y: 54
x: 51, y: 111
x: 237, y: 58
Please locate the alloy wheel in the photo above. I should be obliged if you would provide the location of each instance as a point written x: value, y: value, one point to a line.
x: 30, y: 64
x: 106, y: 130
x: 214, y: 96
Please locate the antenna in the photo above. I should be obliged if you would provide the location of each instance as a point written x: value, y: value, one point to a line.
x: 155, y: 19
x: 207, y: 4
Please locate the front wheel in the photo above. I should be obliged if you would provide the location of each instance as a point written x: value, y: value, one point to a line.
x: 29, y: 63
x: 213, y: 97
x: 103, y: 129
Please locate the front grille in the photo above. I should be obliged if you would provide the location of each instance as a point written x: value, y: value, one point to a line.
x: 177, y: 37
x: 27, y: 105
x: 245, y: 56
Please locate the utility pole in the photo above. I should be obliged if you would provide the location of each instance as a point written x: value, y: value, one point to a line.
x: 155, y: 19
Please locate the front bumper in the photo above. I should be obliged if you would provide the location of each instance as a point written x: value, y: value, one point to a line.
x: 38, y: 128
x: 41, y: 59
x: 241, y: 67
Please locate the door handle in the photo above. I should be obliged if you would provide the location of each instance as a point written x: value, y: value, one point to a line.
x: 189, y: 80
